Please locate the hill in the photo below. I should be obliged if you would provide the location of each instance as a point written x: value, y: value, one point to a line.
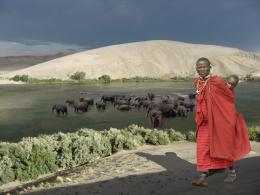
x: 160, y: 58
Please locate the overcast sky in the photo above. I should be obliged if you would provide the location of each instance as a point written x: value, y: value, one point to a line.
x: 34, y: 25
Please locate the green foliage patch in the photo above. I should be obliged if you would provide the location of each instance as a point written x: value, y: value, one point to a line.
x: 254, y: 133
x: 104, y: 78
x: 23, y: 78
x: 35, y: 156
x: 78, y: 76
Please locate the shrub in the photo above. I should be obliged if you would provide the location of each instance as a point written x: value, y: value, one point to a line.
x: 23, y: 78
x: 190, y: 136
x: 33, y: 157
x: 132, y: 141
x: 254, y: 133
x: 157, y: 137
x: 115, y: 138
x: 136, y: 130
x: 15, y: 78
x: 78, y: 76
x: 49, y: 81
x: 89, y: 145
x: 175, y: 135
x: 6, y: 171
x: 104, y: 78
x: 64, y: 150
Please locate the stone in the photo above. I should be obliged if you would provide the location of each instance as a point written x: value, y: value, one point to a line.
x: 67, y: 179
x: 59, y: 179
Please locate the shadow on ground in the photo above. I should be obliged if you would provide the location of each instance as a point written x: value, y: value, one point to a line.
x: 175, y: 180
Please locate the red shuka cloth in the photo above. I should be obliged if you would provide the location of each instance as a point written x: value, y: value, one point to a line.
x: 204, y: 160
x: 227, y: 132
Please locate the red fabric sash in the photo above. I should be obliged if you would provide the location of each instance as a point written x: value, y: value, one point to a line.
x: 228, y: 136
x: 242, y: 143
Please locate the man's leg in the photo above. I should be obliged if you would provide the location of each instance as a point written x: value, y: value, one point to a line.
x: 231, y: 176
x: 201, y: 179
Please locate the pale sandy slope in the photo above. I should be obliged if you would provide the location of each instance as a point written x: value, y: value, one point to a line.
x: 149, y: 58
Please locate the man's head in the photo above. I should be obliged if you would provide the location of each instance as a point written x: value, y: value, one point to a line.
x: 203, y: 67
x: 232, y: 81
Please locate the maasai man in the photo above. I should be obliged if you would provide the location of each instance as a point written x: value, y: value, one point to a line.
x: 221, y: 134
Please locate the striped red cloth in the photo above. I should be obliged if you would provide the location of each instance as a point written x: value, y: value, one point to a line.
x: 204, y: 160
x: 221, y: 132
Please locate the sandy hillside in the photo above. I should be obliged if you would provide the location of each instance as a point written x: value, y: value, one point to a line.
x: 148, y: 58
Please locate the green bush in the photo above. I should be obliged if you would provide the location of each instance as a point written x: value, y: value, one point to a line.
x: 254, y: 133
x: 175, y: 135
x: 49, y: 81
x: 63, y: 149
x: 6, y: 170
x: 136, y: 130
x: 132, y: 141
x: 89, y: 145
x: 78, y: 76
x: 157, y: 137
x: 104, y: 78
x: 190, y: 136
x: 32, y: 157
x: 115, y: 138
x: 23, y: 78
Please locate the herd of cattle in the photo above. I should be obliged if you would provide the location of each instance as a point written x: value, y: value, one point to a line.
x: 156, y: 107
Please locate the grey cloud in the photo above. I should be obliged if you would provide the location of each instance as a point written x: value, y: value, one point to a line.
x: 97, y: 23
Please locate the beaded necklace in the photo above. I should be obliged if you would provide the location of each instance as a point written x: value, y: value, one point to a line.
x: 201, y: 84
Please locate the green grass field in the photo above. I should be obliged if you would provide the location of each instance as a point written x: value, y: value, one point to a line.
x: 25, y: 110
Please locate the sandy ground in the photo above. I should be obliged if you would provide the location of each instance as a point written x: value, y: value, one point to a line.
x: 151, y: 170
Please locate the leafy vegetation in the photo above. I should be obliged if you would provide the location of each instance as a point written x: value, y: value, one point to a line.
x: 254, y: 133
x: 104, y: 78
x: 27, y: 79
x: 23, y: 78
x: 78, y: 76
x: 32, y: 157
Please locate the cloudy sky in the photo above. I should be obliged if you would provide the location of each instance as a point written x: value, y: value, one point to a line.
x: 42, y: 26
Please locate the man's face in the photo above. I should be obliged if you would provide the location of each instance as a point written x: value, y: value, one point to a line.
x: 203, y: 68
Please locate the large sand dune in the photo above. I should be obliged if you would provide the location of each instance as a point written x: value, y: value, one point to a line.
x: 146, y: 59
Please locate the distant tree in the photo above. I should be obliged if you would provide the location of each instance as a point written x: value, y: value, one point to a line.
x: 23, y: 78
x: 16, y: 78
x: 104, y: 78
x: 78, y: 76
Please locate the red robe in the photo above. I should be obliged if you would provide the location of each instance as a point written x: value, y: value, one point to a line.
x: 221, y: 133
